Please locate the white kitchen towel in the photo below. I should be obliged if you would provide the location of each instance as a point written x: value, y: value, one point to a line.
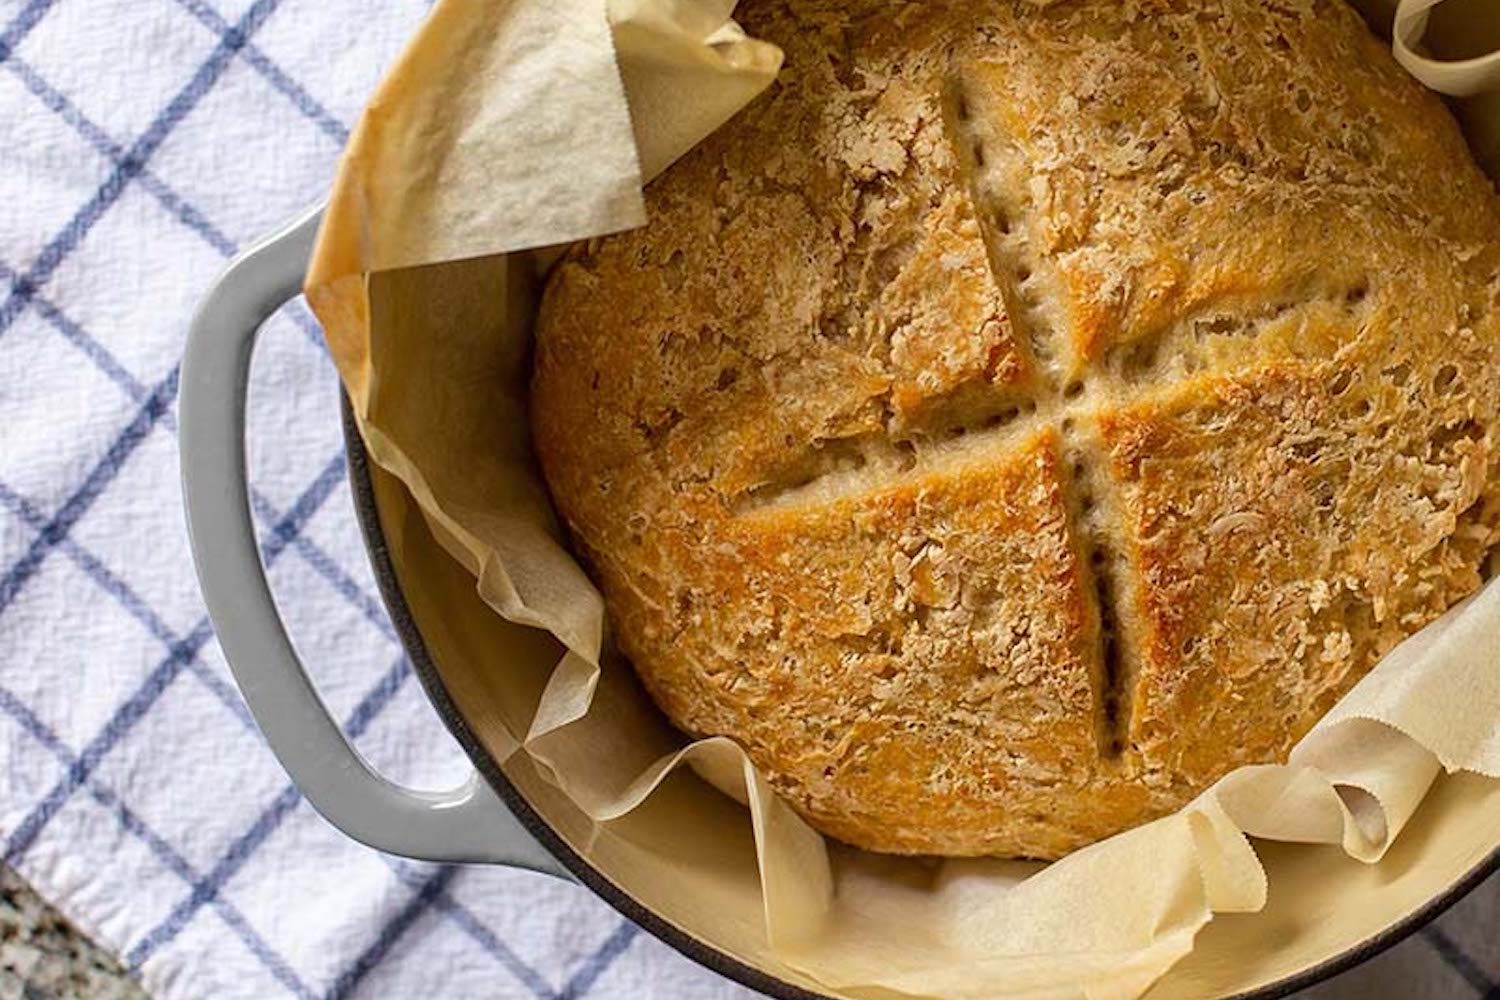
x: 144, y: 141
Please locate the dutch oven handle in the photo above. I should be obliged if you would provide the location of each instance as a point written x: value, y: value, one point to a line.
x: 468, y: 823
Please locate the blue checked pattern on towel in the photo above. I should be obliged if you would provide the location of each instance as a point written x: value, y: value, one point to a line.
x: 144, y: 141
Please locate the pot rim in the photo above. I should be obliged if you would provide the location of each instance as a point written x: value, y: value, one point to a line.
x: 367, y: 513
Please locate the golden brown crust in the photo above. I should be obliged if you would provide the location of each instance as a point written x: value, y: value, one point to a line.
x: 1027, y: 412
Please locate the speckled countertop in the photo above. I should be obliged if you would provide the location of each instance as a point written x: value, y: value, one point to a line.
x: 42, y: 956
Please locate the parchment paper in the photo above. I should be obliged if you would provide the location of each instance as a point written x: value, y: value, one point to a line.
x: 518, y: 125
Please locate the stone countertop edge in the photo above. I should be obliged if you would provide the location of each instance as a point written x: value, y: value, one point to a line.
x: 43, y: 957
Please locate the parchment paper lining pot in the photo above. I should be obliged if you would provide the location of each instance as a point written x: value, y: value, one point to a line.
x: 416, y: 419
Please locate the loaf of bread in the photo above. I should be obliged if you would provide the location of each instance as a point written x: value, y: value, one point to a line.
x: 1025, y: 413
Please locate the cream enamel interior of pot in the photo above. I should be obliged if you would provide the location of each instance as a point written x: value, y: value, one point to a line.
x: 1323, y: 904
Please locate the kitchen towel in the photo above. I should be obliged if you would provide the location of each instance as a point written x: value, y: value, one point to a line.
x: 144, y: 142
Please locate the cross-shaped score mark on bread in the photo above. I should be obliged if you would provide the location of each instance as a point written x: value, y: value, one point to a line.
x: 976, y: 423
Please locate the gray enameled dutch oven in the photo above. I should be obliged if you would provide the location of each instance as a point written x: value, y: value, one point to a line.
x: 1302, y: 938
